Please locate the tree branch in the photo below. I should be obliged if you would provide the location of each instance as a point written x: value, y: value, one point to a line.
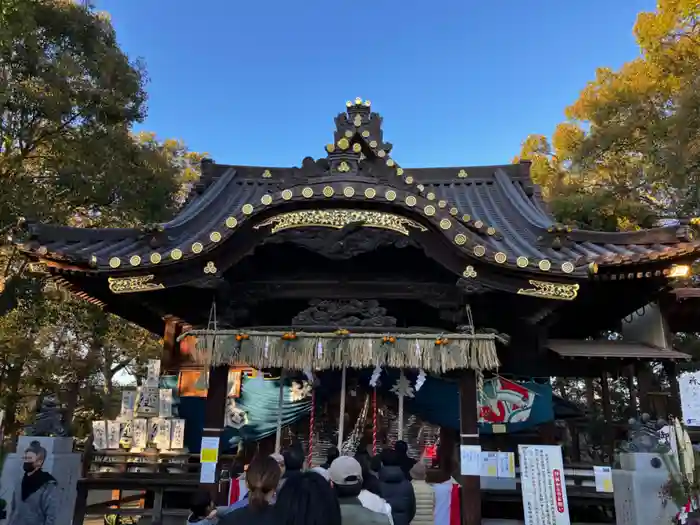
x: 121, y: 365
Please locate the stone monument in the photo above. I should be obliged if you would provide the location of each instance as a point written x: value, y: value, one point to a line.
x: 61, y: 461
x: 49, y: 419
x: 639, y: 482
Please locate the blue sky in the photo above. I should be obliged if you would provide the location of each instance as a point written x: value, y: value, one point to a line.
x: 458, y: 82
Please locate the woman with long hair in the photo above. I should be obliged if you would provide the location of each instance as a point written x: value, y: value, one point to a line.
x: 262, y: 477
x: 307, y: 499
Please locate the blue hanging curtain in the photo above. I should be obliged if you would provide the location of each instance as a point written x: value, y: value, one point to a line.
x: 516, y: 406
x: 437, y: 402
x: 258, y: 401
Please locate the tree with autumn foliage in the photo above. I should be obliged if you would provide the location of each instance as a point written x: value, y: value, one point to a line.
x: 69, y: 98
x: 629, y: 153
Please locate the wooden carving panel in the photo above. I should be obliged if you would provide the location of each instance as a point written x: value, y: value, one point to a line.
x: 343, y: 244
x: 344, y: 314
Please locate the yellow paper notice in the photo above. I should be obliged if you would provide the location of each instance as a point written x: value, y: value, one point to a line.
x: 209, y: 455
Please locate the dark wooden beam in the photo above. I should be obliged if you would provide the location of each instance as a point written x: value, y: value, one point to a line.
x: 434, y: 292
x: 469, y: 435
x: 214, y: 417
x: 527, y: 362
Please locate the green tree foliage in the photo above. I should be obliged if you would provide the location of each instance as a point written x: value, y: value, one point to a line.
x: 69, y: 97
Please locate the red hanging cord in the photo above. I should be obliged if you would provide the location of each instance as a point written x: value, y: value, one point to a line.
x: 374, y: 422
x: 312, y: 423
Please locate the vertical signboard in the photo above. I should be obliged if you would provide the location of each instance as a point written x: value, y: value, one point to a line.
x: 543, y: 485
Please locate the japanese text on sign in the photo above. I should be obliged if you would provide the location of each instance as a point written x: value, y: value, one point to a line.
x: 543, y: 485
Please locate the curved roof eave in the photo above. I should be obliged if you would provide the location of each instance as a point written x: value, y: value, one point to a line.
x: 492, y: 214
x: 225, y: 212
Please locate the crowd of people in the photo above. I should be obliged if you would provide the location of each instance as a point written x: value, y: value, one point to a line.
x: 388, y: 489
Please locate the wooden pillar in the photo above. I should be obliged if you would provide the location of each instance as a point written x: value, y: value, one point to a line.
x: 469, y: 435
x: 575, y: 443
x: 214, y: 417
x: 608, y: 434
x: 645, y: 381
x: 674, y: 404
x: 548, y: 433
x: 446, y: 452
x: 169, y: 358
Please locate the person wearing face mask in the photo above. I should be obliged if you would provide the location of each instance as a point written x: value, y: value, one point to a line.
x: 35, y: 500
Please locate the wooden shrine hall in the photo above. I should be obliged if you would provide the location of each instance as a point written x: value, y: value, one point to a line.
x: 467, y: 251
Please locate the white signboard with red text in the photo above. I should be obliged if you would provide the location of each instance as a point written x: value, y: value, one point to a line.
x: 543, y: 485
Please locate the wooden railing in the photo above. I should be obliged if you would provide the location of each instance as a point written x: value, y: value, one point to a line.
x: 157, y: 484
x: 151, y: 475
x: 181, y: 474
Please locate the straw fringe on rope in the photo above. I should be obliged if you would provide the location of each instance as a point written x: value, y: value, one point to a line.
x: 322, y: 351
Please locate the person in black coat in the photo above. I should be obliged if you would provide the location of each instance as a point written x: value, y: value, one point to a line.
x: 332, y: 454
x: 405, y: 462
x: 293, y: 462
x: 396, y: 489
x: 370, y: 481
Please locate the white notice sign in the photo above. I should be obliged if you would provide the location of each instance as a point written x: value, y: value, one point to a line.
x: 128, y: 404
x: 470, y: 460
x: 603, y: 479
x: 689, y: 387
x: 543, y: 485
x: 153, y: 373
x: 208, y: 473
x: 165, y: 405
x: 506, y: 465
x: 489, y: 464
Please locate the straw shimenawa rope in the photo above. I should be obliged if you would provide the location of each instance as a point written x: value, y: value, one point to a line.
x: 324, y: 350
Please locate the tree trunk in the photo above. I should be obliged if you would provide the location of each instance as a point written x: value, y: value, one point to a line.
x: 108, y: 396
x: 71, y: 399
x: 590, y: 395
x: 560, y: 385
x: 12, y: 400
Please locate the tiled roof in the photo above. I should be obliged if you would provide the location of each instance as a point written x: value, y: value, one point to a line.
x: 613, y: 350
x: 493, y: 213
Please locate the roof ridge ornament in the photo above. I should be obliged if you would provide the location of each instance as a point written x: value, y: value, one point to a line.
x: 358, y: 146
